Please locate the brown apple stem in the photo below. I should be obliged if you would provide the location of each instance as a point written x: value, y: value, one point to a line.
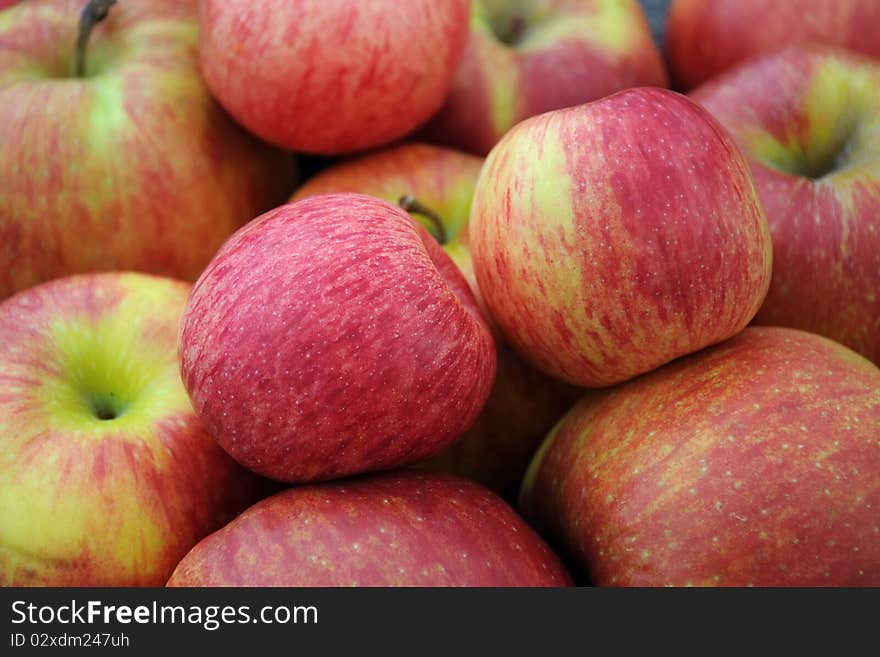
x: 93, y: 13
x: 413, y: 206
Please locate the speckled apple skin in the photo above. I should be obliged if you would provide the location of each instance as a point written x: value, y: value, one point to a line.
x: 613, y: 237
x: 396, y: 529
x: 86, y: 502
x: 133, y: 168
x: 574, y: 51
x: 333, y: 336
x: 706, y: 37
x: 753, y: 463
x: 524, y: 403
x: 826, y: 230
x: 331, y: 76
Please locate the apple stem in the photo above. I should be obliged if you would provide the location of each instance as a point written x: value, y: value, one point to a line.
x: 93, y: 13
x: 411, y: 205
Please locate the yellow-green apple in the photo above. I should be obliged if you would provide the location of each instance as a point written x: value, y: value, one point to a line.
x: 706, y: 37
x: 403, y: 528
x: 612, y: 237
x: 130, y: 166
x: 755, y: 462
x: 524, y: 403
x: 107, y: 477
x: 333, y: 336
x: 809, y: 121
x: 526, y: 57
x: 331, y: 76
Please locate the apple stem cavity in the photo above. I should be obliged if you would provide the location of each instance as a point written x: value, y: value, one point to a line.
x: 409, y: 203
x: 93, y: 13
x: 513, y: 31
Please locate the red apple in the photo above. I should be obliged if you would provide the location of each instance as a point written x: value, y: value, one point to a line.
x: 107, y: 477
x: 756, y: 462
x: 524, y: 403
x: 333, y: 336
x: 707, y: 37
x: 331, y: 76
x: 131, y: 165
x: 395, y: 529
x: 530, y: 56
x: 809, y: 121
x: 615, y: 236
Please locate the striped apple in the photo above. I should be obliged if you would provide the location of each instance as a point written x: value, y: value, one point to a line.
x: 528, y: 57
x: 707, y: 37
x: 753, y: 463
x: 814, y: 149
x: 332, y: 336
x: 107, y: 477
x: 396, y: 529
x: 615, y: 236
x: 331, y: 76
x: 524, y: 403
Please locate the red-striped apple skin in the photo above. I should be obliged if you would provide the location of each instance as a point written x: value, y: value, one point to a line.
x: 395, y: 529
x: 86, y: 501
x: 814, y: 148
x: 615, y: 236
x: 524, y: 403
x: 133, y: 167
x: 333, y: 336
x: 755, y: 462
x: 570, y: 53
x: 707, y: 37
x: 331, y: 76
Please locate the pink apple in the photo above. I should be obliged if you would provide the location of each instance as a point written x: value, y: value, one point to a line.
x: 130, y: 166
x: 524, y: 403
x: 528, y: 57
x: 395, y: 529
x: 107, y: 477
x: 707, y: 37
x: 615, y: 236
x: 753, y: 463
x: 331, y: 76
x: 809, y: 121
x: 333, y: 336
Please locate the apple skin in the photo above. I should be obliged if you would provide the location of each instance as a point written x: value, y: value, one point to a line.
x: 331, y: 76
x: 402, y: 528
x: 112, y: 502
x: 706, y: 37
x: 755, y: 462
x: 135, y: 166
x: 571, y: 52
x: 332, y: 336
x: 808, y: 119
x: 615, y: 236
x: 524, y: 403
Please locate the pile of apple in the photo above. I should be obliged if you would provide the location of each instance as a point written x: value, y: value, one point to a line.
x: 524, y: 316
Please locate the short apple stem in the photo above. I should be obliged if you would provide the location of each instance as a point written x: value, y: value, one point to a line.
x: 93, y: 13
x: 411, y: 205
